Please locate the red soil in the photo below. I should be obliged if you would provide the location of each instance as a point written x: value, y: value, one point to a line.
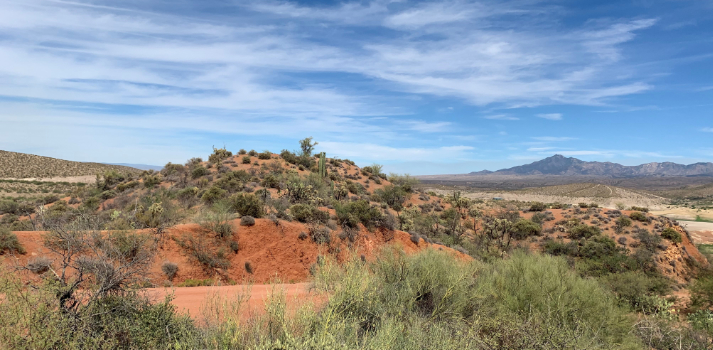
x: 195, y: 300
x: 275, y: 252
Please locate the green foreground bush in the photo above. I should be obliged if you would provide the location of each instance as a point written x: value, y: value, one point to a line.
x: 425, y: 301
x: 429, y: 300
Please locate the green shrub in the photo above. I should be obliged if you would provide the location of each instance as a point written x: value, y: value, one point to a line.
x: 201, y: 249
x: 270, y: 181
x: 169, y: 269
x: 393, y: 196
x: 217, y: 220
x: 187, y: 193
x: 355, y: 187
x: 525, y: 228
x: 309, y: 214
x: 702, y: 292
x: 150, y: 181
x: 638, y: 291
x: 583, y: 205
x: 213, y: 195
x: 622, y: 222
x: 199, y: 171
x: 247, y: 220
x: 265, y: 155
x: 242, y: 152
x: 406, y: 182
x: 648, y: 240
x: 9, y: 242
x: 583, y: 231
x: 353, y: 213
x: 246, y: 160
x: 91, y: 203
x: 560, y: 248
x: 289, y: 156
x: 423, y: 301
x: 108, y: 194
x: 219, y: 154
x: 538, y: 206
x: 127, y: 185
x: 252, y: 153
x: 641, y: 209
x: 246, y: 204
x: 638, y: 216
x: 597, y: 247
x: 672, y: 235
x: 126, y: 320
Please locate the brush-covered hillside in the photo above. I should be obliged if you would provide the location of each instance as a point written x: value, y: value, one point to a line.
x: 255, y: 217
x: 213, y: 209
x: 22, y: 166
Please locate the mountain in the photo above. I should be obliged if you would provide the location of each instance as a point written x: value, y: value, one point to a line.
x: 568, y: 166
x: 22, y: 166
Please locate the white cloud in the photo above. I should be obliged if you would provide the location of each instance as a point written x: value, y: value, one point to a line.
x: 501, y: 117
x: 707, y: 129
x: 435, y: 13
x: 73, y: 51
x: 540, y: 149
x: 385, y: 153
x: 585, y: 153
x: 550, y: 116
x: 274, y: 68
x: 553, y: 138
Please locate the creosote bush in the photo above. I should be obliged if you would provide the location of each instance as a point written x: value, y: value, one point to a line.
x: 247, y: 204
x: 538, y: 206
x: 525, y: 228
x: 9, y: 242
x: 584, y: 231
x: 672, y: 235
x: 638, y: 216
x: 309, y: 214
x: 169, y: 269
x: 265, y: 155
x: 247, y: 221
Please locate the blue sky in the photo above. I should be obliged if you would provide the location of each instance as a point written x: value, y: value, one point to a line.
x: 422, y: 87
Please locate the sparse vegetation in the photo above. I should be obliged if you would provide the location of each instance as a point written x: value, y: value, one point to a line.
x: 672, y: 235
x: 609, y: 288
x: 9, y: 242
x: 169, y: 269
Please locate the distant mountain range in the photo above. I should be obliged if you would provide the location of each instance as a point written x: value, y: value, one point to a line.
x: 568, y: 166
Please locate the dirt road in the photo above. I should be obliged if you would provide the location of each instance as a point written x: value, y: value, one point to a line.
x: 193, y: 299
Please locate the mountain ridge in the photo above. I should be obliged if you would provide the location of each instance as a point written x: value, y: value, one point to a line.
x: 570, y: 166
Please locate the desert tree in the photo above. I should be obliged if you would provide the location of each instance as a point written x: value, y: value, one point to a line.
x: 307, y: 146
x: 89, y: 264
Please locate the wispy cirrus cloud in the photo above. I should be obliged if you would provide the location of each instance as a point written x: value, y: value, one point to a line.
x: 550, y: 116
x: 386, y: 153
x: 554, y: 138
x: 501, y: 117
x: 707, y: 129
x: 285, y: 69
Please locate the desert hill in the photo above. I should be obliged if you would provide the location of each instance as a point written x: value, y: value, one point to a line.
x: 22, y: 166
x: 262, y: 217
x: 569, y: 166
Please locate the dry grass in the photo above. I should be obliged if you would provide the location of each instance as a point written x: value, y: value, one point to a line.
x: 22, y: 166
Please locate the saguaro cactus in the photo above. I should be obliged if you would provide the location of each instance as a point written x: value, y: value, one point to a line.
x: 323, y: 164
